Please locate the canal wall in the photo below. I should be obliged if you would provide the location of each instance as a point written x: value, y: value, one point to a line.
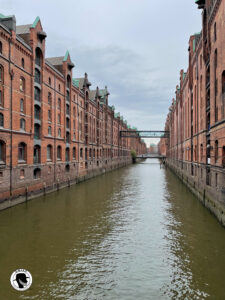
x: 38, y: 188
x: 207, y: 187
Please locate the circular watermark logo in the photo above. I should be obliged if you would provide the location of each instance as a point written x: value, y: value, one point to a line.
x: 21, y: 280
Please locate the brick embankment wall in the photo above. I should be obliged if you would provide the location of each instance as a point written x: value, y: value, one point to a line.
x: 210, y: 192
x: 44, y: 186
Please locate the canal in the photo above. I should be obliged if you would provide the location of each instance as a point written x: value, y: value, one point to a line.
x: 134, y: 233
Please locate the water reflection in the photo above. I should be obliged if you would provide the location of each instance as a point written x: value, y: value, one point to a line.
x: 135, y: 233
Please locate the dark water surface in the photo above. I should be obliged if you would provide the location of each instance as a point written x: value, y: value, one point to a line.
x: 134, y: 233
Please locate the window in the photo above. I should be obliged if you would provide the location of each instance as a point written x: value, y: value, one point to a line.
x: 59, y: 153
x: 22, y: 84
x: 74, y: 153
x: 59, y: 87
x: 67, y: 109
x: 37, y: 173
x: 81, y: 152
x: 74, y: 113
x: 67, y: 96
x: 49, y: 81
x: 37, y: 94
x: 223, y: 157
x: 37, y: 76
x: 68, y: 82
x: 22, y: 62
x: 49, y: 98
x: 22, y: 124
x: 215, y: 60
x: 201, y: 150
x: 59, y: 104
x: 215, y: 33
x: 1, y: 98
x: 21, y: 105
x: 49, y: 130
x: 68, y: 137
x: 49, y: 115
x: 2, y: 152
x: 37, y: 112
x: 59, y: 132
x: 49, y: 152
x: 1, y: 120
x: 22, y: 152
x: 67, y: 154
x: 0, y: 47
x: 216, y: 151
x: 1, y: 73
x: 38, y: 56
x: 223, y: 83
x: 67, y: 123
x: 37, y: 130
x: 59, y: 119
x: 37, y: 154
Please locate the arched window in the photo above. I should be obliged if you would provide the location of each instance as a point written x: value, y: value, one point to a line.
x: 0, y: 47
x: 22, y: 124
x: 49, y: 130
x: 37, y: 173
x: 1, y: 120
x: 223, y: 157
x: 49, y: 98
x: 37, y: 94
x: 22, y: 84
x: 21, y: 105
x: 22, y: 152
x: 59, y: 119
x: 215, y: 33
x: 38, y: 56
x: 22, y: 62
x: 2, y: 152
x: 216, y: 151
x: 67, y: 123
x: 37, y: 112
x: 67, y: 109
x: 74, y: 153
x: 37, y: 154
x: 67, y: 154
x: 37, y: 131
x: 81, y: 152
x: 223, y: 83
x: 37, y: 76
x: 59, y: 132
x: 59, y: 103
x: 1, y: 74
x: 68, y: 81
x: 59, y: 152
x: 49, y: 152
x: 67, y: 137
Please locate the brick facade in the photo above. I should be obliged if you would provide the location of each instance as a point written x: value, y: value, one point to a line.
x: 196, y: 118
x: 53, y: 127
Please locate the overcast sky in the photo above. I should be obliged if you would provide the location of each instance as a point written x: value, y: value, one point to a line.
x: 135, y: 47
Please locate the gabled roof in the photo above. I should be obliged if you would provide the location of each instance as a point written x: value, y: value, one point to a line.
x: 23, y: 29
x: 55, y: 61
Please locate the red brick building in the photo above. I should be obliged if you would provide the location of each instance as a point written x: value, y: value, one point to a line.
x: 196, y: 119
x: 53, y: 128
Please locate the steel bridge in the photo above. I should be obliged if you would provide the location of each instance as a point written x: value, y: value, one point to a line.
x: 143, y: 134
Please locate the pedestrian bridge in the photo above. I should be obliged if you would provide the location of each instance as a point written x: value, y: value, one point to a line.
x: 143, y: 134
x: 151, y: 156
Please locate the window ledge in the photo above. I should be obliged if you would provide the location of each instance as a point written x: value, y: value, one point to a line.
x: 22, y: 162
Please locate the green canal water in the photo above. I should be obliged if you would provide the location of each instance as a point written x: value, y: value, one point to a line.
x: 134, y: 233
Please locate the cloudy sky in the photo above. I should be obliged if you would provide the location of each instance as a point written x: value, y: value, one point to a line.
x: 135, y: 47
